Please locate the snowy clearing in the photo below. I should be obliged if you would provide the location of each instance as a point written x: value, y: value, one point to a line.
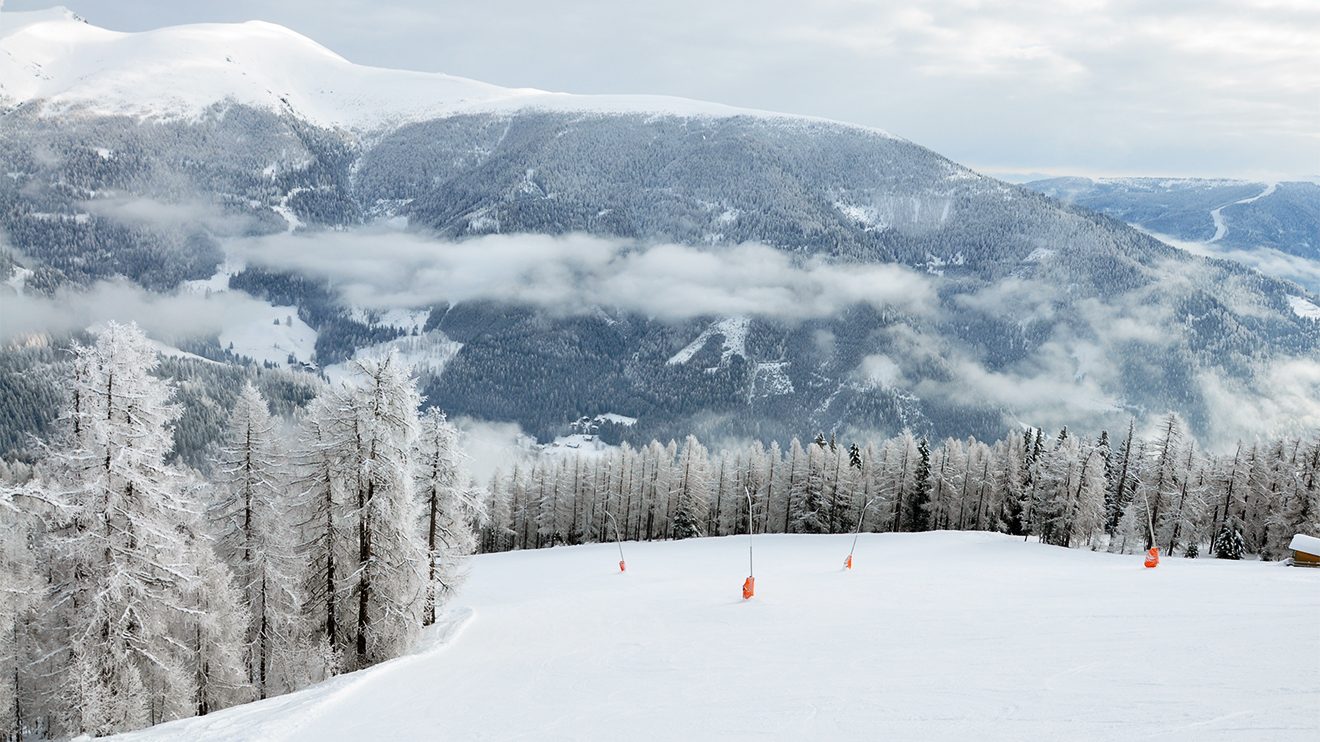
x: 274, y: 337
x: 425, y: 354
x: 938, y: 636
x: 1304, y: 308
x: 733, y: 334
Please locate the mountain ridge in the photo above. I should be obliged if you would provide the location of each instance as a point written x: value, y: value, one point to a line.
x: 1043, y: 312
x: 40, y: 50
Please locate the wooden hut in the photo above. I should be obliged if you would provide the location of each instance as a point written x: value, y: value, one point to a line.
x: 1306, y: 551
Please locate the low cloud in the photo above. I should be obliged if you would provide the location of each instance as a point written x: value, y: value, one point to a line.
x: 165, y: 317
x: 1284, y: 400
x: 493, y: 447
x: 1267, y: 260
x: 150, y: 213
x: 572, y: 274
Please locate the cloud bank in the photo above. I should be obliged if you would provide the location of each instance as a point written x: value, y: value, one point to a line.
x: 573, y: 274
x: 165, y: 317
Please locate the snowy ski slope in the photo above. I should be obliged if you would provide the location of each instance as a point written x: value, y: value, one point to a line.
x: 942, y: 636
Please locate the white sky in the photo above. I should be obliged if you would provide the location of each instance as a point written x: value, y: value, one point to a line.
x: 1101, y: 87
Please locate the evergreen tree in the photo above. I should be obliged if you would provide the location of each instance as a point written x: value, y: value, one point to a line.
x: 918, y: 511
x: 692, y: 491
x: 1229, y: 544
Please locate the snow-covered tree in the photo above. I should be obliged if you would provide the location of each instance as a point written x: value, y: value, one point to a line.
x: 320, y: 488
x: 22, y: 590
x: 251, y: 516
x: 692, y: 490
x: 387, y: 580
x: 215, y: 631
x: 123, y: 565
x: 448, y: 509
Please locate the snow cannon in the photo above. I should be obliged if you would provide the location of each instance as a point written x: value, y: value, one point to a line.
x: 847, y: 563
x: 622, y: 567
x: 1153, y: 557
x: 749, y: 588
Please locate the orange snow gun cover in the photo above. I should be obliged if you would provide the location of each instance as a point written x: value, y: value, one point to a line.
x: 622, y: 566
x: 1153, y: 557
x: 847, y: 563
x: 749, y: 588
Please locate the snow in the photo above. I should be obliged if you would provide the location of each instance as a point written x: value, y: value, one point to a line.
x: 55, y: 57
x: 173, y: 352
x: 407, y: 320
x: 1304, y: 308
x: 427, y: 353
x: 291, y: 221
x: 734, y: 332
x: 1308, y: 544
x: 576, y: 443
x: 769, y: 379
x: 611, y: 417
x: 262, y: 339
x: 867, y: 216
x: 1217, y: 214
x: 219, y: 281
x: 936, y: 636
x: 18, y: 279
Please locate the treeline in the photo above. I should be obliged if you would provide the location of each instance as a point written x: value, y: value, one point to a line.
x: 1066, y: 490
x: 137, y: 590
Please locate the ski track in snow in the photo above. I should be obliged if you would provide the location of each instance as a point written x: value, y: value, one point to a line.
x: 1217, y: 214
x: 937, y: 636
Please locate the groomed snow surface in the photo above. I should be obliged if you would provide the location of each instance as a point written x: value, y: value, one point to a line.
x: 941, y: 636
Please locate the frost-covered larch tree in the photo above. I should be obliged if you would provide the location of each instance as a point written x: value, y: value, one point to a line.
x: 388, y: 577
x: 214, y: 631
x: 251, y: 517
x: 1160, y: 484
x: 319, y: 488
x: 22, y: 589
x: 449, y: 508
x: 124, y: 567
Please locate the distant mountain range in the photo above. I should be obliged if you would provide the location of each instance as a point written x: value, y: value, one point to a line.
x: 1234, y: 213
x: 228, y: 158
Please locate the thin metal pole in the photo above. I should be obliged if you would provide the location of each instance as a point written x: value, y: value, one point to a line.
x: 617, y: 540
x: 750, y: 570
x: 860, y: 517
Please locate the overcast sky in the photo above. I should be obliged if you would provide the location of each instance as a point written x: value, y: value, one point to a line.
x: 1105, y: 87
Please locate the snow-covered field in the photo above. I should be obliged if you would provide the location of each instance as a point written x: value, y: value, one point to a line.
x: 942, y: 636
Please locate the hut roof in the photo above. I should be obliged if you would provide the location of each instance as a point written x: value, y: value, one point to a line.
x: 1308, y: 544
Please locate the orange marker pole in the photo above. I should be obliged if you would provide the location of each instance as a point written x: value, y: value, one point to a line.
x: 1153, y: 554
x: 749, y: 584
x: 617, y: 540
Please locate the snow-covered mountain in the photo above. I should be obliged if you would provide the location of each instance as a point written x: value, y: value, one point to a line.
x: 153, y: 155
x: 1232, y: 213
x: 1272, y: 227
x: 56, y: 60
